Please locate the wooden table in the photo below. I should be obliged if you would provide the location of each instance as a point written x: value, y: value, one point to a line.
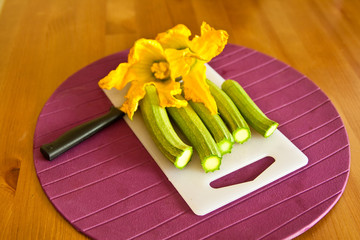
x: 43, y: 42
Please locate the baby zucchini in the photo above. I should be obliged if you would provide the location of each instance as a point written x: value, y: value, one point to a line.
x: 251, y: 112
x: 162, y: 132
x: 230, y: 114
x: 199, y: 136
x: 216, y: 126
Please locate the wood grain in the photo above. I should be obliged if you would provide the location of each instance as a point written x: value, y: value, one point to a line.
x: 43, y: 42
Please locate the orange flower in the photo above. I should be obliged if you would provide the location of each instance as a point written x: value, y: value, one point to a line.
x: 161, y: 62
x: 201, y: 49
x: 148, y: 63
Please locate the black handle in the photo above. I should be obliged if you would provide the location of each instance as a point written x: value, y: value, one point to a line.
x: 79, y: 134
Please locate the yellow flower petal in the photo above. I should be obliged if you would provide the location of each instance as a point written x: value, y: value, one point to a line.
x: 210, y: 44
x: 176, y: 37
x: 116, y: 78
x: 135, y: 93
x: 196, y: 88
x: 166, y: 92
x: 143, y: 55
x: 140, y: 59
x: 146, y: 51
x: 180, y: 61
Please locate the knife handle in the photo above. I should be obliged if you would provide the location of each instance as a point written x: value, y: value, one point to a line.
x: 79, y: 133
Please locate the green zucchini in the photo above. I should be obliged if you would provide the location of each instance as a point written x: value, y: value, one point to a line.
x: 161, y: 130
x: 230, y: 114
x: 216, y: 127
x: 251, y: 112
x: 199, y: 136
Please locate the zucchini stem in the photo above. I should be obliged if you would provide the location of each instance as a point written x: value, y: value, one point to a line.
x: 161, y: 130
x: 251, y: 112
x: 216, y: 127
x: 199, y: 136
x: 230, y: 114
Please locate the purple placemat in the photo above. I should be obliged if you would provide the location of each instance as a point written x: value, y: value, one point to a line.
x: 109, y: 187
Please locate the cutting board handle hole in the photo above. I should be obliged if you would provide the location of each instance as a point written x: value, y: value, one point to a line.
x: 245, y: 174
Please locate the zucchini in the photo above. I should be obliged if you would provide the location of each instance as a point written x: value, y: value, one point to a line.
x: 216, y: 127
x: 199, y: 136
x: 230, y: 114
x: 161, y: 130
x: 251, y: 112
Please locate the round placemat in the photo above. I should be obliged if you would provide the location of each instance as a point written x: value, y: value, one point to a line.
x: 109, y: 187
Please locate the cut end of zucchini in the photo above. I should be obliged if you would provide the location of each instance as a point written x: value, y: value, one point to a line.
x: 241, y: 135
x: 184, y: 158
x: 211, y: 164
x: 225, y: 146
x: 271, y: 129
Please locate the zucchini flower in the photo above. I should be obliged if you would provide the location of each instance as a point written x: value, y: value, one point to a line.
x: 148, y: 65
x: 201, y: 49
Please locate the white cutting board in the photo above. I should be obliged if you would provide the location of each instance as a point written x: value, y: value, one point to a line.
x: 193, y: 184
